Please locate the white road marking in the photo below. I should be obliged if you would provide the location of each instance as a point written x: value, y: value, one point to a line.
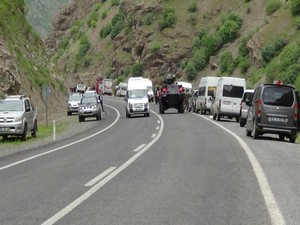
x: 139, y: 148
x: 64, y: 146
x: 95, y: 188
x: 153, y: 135
x: 100, y: 177
x: 157, y: 128
x: 274, y: 211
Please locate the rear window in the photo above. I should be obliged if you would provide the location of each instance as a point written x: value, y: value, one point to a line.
x: 201, y: 91
x: 247, y: 95
x: 278, y: 96
x: 233, y: 91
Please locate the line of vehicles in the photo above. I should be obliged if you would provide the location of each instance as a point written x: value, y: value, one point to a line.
x: 269, y: 108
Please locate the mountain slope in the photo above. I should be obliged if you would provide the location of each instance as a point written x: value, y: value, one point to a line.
x: 24, y: 66
x: 188, y: 38
x: 40, y: 14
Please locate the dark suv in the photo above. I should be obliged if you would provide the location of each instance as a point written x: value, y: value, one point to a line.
x: 273, y: 109
x: 171, y: 95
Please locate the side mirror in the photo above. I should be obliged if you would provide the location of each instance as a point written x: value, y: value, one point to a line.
x: 27, y: 109
x: 248, y: 103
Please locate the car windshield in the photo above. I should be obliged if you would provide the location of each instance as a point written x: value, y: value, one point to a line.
x: 7, y: 105
x: 75, y: 97
x: 87, y: 100
x: 137, y: 93
x: 278, y: 96
x: 92, y: 93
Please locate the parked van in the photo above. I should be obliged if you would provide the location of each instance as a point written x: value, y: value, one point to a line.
x: 150, y: 89
x: 137, y: 101
x: 273, y: 109
x: 206, y: 89
x: 121, y: 90
x: 228, y: 96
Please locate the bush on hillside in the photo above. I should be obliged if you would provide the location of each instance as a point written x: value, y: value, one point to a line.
x: 272, y: 49
x: 243, y: 50
x: 227, y: 63
x: 104, y: 14
x: 211, y: 43
x: 105, y: 31
x: 168, y: 19
x: 196, y: 43
x: 115, y: 2
x: 244, y: 64
x: 116, y: 29
x: 193, y: 7
x: 148, y: 19
x: 199, y: 59
x: 229, y: 31
x: 137, y: 70
x: 84, y: 46
x: 272, y: 6
x: 92, y: 19
x: 295, y: 7
x: 154, y: 47
x: 193, y: 19
x: 190, y: 70
x: 127, y: 70
x: 290, y: 75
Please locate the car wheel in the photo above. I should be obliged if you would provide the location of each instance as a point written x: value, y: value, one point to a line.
x: 255, y: 131
x: 237, y: 119
x: 34, y: 131
x: 218, y: 116
x: 292, y: 139
x: 4, y: 137
x: 24, y: 134
x: 161, y: 108
x: 281, y: 137
x: 69, y: 113
x: 80, y: 119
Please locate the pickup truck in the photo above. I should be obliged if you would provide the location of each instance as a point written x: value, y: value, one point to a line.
x: 18, y: 117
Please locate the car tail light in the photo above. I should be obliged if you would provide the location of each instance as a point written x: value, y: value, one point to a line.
x: 296, y: 111
x: 180, y: 89
x: 164, y: 89
x: 258, y: 110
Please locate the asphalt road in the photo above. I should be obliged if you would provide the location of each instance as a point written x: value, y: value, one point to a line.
x: 177, y: 169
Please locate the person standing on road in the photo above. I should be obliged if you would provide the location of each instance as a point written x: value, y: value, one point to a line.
x: 99, y: 91
x: 157, y: 93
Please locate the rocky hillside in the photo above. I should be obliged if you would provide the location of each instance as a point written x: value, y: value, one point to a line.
x: 40, y: 13
x: 254, y: 39
x: 24, y: 65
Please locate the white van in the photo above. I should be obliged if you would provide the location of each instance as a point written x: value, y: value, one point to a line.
x: 206, y: 89
x: 121, y: 90
x: 137, y: 101
x: 150, y: 89
x: 228, y: 96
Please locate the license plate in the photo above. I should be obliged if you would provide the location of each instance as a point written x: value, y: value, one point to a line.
x: 277, y: 119
x: 4, y: 129
x: 226, y: 102
x: 87, y: 112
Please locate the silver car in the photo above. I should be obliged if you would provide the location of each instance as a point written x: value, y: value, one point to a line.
x: 73, y: 103
x: 247, y: 96
x: 90, y: 106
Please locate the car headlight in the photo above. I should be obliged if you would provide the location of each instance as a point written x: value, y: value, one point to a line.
x: 18, y: 119
x: 146, y: 105
x: 130, y: 106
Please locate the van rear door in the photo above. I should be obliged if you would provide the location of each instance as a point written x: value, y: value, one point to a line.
x: 278, y: 106
x: 232, y: 96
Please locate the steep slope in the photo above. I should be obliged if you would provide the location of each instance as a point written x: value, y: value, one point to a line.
x: 188, y: 38
x: 24, y: 66
x: 40, y: 14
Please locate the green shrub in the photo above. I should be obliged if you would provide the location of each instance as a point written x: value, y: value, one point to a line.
x: 243, y: 50
x: 193, y: 7
x: 137, y: 70
x: 290, y: 75
x: 272, y: 49
x: 199, y: 59
x: 84, y: 46
x: 297, y: 23
x: 211, y: 44
x: 118, y: 17
x: 247, y: 1
x: 227, y: 63
x: 64, y: 44
x: 244, y: 64
x: 104, y: 14
x: 128, y: 24
x: 149, y: 19
x: 105, y: 31
x: 127, y: 70
x: 190, y: 70
x: 116, y: 29
x: 182, y: 64
x: 154, y: 47
x: 229, y: 31
x: 272, y: 6
x: 193, y: 20
x: 92, y: 19
x: 295, y: 7
x: 115, y: 2
x: 168, y: 19
x: 196, y: 43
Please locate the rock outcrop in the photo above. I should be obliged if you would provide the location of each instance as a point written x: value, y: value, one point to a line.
x: 10, y: 78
